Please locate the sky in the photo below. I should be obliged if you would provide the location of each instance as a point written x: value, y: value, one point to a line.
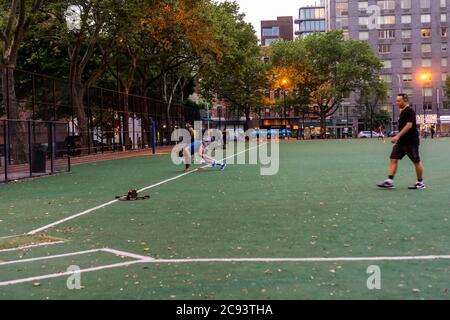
x: 257, y: 10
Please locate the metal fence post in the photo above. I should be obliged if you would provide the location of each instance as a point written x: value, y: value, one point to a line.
x: 30, y: 150
x: 153, y: 136
x: 68, y: 148
x: 51, y: 147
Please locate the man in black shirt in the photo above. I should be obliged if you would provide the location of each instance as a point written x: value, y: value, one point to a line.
x: 406, y: 143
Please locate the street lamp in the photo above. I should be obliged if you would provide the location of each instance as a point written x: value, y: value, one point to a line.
x: 284, y: 83
x: 425, y: 77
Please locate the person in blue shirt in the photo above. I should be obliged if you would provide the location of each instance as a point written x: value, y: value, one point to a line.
x: 199, y: 147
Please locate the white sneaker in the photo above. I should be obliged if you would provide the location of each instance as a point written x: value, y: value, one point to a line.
x: 420, y: 185
x: 387, y: 184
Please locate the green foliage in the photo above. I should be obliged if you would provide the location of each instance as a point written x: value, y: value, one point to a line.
x: 447, y: 87
x: 324, y: 68
x: 197, y: 105
x: 240, y: 76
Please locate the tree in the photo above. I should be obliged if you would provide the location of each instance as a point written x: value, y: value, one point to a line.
x: 12, y: 32
x: 87, y: 29
x: 327, y: 69
x: 13, y: 27
x: 181, y: 37
x: 240, y: 76
x: 371, y: 95
x: 447, y: 87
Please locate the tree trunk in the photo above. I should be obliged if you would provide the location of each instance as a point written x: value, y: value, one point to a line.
x: 78, y: 91
x: 247, y: 117
x: 323, y: 123
x: 126, y: 122
x: 169, y: 124
x: 17, y: 131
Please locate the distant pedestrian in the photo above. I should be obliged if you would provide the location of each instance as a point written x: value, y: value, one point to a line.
x: 346, y: 133
x: 433, y: 131
x: 425, y: 131
x: 380, y: 133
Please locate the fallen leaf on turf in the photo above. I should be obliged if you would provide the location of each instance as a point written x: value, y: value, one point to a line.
x: 415, y: 290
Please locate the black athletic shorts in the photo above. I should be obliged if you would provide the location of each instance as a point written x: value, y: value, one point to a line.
x: 410, y: 150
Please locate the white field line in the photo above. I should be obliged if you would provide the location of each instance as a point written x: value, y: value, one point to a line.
x: 68, y: 273
x: 32, y: 246
x: 141, y: 190
x: 226, y: 260
x: 8, y: 237
x: 49, y: 257
x: 126, y: 254
x: 296, y: 260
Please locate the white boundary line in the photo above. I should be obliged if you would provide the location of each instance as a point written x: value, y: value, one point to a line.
x: 8, y: 237
x: 338, y: 259
x: 126, y: 254
x: 32, y: 246
x: 224, y: 260
x: 68, y: 273
x: 50, y: 257
x: 141, y: 190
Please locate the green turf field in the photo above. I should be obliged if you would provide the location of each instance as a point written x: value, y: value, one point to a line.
x: 322, y: 203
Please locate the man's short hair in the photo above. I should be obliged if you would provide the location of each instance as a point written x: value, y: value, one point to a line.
x: 404, y: 96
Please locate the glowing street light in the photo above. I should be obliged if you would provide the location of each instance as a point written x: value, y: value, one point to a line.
x: 425, y: 76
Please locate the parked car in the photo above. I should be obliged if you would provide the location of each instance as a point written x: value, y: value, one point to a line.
x: 367, y: 135
x: 393, y: 133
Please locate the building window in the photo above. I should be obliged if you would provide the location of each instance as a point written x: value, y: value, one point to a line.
x: 426, y: 63
x: 271, y: 32
x: 407, y: 47
x: 341, y: 9
x: 405, y: 4
x: 363, y: 35
x: 363, y: 21
x: 443, y: 32
x: 428, y: 105
x: 406, y: 19
x: 406, y: 34
x: 408, y: 91
x: 426, y: 48
x: 444, y: 62
x: 407, y: 63
x: 386, y: 5
x: 443, y: 3
x: 384, y: 48
x: 386, y: 34
x: 444, y: 47
x: 443, y: 17
x: 363, y: 5
x: 387, y: 20
x: 426, y: 33
x: 427, y: 92
x: 425, y: 18
x: 407, y: 77
x: 387, y: 64
x: 312, y: 13
x: 444, y: 76
x: 425, y: 4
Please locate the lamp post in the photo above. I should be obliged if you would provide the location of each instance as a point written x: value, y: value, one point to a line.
x: 426, y: 78
x: 284, y: 82
x: 438, y: 125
